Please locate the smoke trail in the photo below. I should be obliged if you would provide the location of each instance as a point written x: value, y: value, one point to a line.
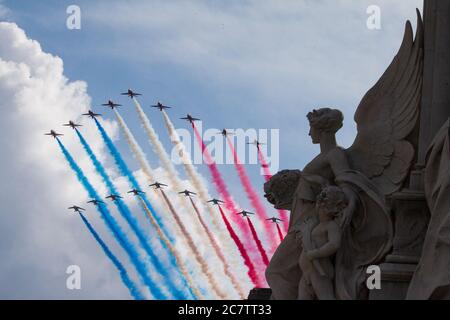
x: 167, y: 164
x: 198, y: 257
x: 196, y: 181
x: 164, y: 159
x: 137, y: 151
x: 127, y: 173
x: 158, y: 147
x: 261, y: 250
x: 134, y: 291
x: 131, y: 220
x: 267, y: 176
x: 220, y: 183
x: 248, y: 262
x: 114, y: 227
x: 280, y: 234
x: 226, y: 267
x: 264, y: 165
x: 174, y: 252
x: 254, y: 199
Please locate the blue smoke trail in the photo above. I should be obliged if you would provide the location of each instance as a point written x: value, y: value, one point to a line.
x: 114, y: 226
x: 126, y: 213
x: 134, y: 291
x: 126, y: 172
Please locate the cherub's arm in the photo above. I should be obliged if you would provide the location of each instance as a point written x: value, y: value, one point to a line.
x: 333, y: 244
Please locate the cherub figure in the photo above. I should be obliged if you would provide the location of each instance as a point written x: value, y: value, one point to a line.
x: 321, y: 245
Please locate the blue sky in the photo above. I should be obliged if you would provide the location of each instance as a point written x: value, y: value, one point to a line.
x: 235, y: 64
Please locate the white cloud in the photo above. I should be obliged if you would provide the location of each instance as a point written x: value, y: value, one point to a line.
x: 42, y: 236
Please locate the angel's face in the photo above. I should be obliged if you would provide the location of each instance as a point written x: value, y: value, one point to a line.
x: 314, y: 133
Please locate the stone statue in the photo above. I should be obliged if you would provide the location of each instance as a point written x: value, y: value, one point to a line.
x: 374, y: 167
x: 432, y: 277
x: 323, y: 239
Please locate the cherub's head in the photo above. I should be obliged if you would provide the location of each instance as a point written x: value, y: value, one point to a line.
x: 324, y: 121
x: 330, y: 202
x: 279, y: 190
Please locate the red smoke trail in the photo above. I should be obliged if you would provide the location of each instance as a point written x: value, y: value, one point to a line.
x: 280, y: 234
x: 218, y: 250
x: 262, y: 252
x: 252, y: 196
x: 267, y: 176
x: 264, y: 165
x: 220, y: 185
x: 248, y: 262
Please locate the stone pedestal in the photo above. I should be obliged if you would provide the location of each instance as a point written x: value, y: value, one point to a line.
x: 410, y: 214
x: 260, y: 294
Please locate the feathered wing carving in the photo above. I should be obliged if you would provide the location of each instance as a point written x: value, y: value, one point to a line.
x: 387, y: 114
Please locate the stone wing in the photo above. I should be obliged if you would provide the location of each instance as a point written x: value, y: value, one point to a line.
x: 387, y: 115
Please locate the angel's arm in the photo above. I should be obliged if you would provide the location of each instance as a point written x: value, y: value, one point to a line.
x: 337, y: 159
x: 339, y: 164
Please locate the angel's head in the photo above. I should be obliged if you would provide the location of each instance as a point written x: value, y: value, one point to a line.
x: 324, y: 121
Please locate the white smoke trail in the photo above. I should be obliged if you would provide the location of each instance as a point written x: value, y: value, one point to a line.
x: 145, y: 166
x: 138, y: 153
x: 172, y: 175
x: 166, y: 162
x: 196, y: 180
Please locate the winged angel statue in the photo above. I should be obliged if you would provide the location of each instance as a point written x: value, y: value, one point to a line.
x: 375, y: 166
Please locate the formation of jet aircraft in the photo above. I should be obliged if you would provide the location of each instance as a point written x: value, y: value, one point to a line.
x: 72, y: 124
x: 131, y: 93
x: 274, y: 220
x: 114, y: 197
x: 95, y: 202
x: 136, y: 192
x: 76, y: 208
x: 244, y: 213
x: 92, y: 114
x: 158, y: 185
x: 216, y: 202
x: 160, y: 106
x: 256, y: 143
x: 190, y: 118
x: 111, y: 104
x: 53, y: 133
x: 187, y: 193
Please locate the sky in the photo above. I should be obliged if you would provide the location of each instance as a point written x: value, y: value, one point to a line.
x: 234, y: 64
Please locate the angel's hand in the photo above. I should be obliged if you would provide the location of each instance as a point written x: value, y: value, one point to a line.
x: 347, y: 213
